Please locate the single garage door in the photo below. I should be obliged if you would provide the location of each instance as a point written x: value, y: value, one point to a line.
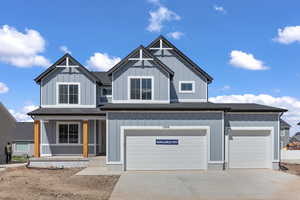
x: 165, y: 149
x: 250, y: 149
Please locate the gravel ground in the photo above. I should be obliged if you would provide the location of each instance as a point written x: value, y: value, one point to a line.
x: 30, y: 184
x: 291, y: 168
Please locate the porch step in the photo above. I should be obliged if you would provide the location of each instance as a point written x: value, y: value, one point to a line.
x: 98, y: 161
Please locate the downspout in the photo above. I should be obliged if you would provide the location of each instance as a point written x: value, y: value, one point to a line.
x: 224, y: 142
x: 279, y: 141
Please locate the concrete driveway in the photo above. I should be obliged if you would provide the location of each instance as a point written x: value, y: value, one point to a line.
x: 207, y: 185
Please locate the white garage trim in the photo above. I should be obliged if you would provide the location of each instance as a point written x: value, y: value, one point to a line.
x: 271, y: 129
x: 122, y: 137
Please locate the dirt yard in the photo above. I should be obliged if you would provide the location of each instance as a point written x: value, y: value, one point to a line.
x: 291, y: 168
x: 30, y: 184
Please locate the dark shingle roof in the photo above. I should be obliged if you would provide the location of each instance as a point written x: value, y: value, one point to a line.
x: 205, y: 106
x: 284, y: 124
x: 103, y: 77
x: 23, y: 131
x: 251, y: 107
x: 67, y: 111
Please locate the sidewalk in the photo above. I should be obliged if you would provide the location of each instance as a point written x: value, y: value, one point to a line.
x: 97, y: 167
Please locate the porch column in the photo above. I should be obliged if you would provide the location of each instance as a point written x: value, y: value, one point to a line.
x: 37, y: 138
x: 85, y: 139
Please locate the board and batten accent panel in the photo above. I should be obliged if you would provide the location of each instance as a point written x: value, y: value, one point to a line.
x: 255, y: 120
x: 140, y: 68
x: 49, y: 135
x: 49, y: 85
x: 213, y: 119
x: 182, y: 73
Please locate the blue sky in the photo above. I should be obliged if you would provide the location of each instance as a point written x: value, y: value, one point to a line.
x: 250, y: 47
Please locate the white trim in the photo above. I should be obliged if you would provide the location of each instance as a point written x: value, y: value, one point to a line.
x: 189, y: 100
x: 140, y: 58
x: 95, y: 137
x: 169, y: 90
x: 95, y: 93
x: 122, y: 138
x: 278, y: 140
x: 161, y: 46
x: 140, y: 100
x: 68, y: 122
x: 64, y: 144
x: 67, y: 83
x: 271, y: 129
x: 165, y: 111
x: 65, y: 66
x: 223, y: 137
x: 68, y: 106
x: 275, y: 112
x: 106, y: 121
x: 215, y: 162
x: 41, y: 138
x: 68, y: 117
x: 187, y: 91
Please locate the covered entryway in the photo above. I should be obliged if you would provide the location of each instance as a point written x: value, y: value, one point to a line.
x: 166, y: 149
x: 250, y: 149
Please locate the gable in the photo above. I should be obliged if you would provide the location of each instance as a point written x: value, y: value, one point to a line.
x: 140, y: 54
x: 161, y: 44
x: 66, y: 62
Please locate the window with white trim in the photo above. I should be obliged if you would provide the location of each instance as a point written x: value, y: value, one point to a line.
x: 140, y: 88
x: 68, y: 133
x: 106, y: 92
x: 68, y: 93
x: 21, y: 147
x: 186, y: 86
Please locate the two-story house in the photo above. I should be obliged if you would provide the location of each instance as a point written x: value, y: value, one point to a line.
x: 150, y: 112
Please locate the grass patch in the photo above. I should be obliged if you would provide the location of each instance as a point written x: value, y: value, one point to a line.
x: 19, y: 159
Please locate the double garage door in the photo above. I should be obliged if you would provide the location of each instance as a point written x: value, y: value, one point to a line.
x: 166, y: 149
x: 188, y: 149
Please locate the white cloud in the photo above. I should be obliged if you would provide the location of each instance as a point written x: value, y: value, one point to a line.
x: 290, y: 103
x: 3, y: 88
x: 226, y: 87
x: 220, y: 9
x: 22, y: 49
x: 21, y: 115
x: 246, y: 61
x: 65, y: 49
x: 175, y: 35
x: 288, y: 35
x: 159, y: 16
x: 102, y: 61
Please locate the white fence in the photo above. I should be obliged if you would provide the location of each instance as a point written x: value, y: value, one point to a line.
x: 290, y: 154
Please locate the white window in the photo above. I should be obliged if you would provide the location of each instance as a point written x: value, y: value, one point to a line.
x: 68, y: 93
x: 68, y: 133
x: 186, y: 86
x: 21, y: 147
x: 106, y: 92
x: 140, y: 88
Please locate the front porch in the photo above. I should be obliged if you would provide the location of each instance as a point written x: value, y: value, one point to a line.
x: 69, y: 137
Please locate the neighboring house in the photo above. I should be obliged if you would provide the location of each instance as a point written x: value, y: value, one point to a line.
x: 284, y: 133
x: 150, y: 112
x: 19, y: 134
x: 23, y: 139
x: 7, y: 126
